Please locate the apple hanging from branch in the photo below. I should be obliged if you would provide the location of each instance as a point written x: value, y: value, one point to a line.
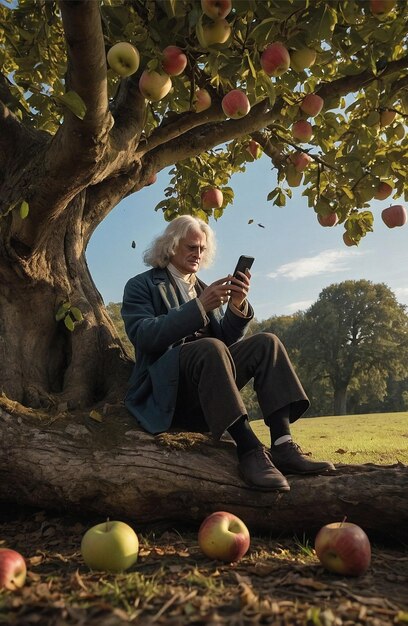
x: 154, y: 86
x: 216, y: 9
x: 302, y: 130
x: 123, y: 58
x: 312, y: 104
x: 217, y: 32
x: 223, y: 536
x: 174, y: 61
x: 331, y: 219
x: 201, y: 100
x: 395, y: 215
x: 275, y: 59
x: 212, y: 198
x: 302, y: 59
x: 383, y: 191
x: 235, y: 104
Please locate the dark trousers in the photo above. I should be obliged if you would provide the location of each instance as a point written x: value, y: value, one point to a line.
x: 211, y: 375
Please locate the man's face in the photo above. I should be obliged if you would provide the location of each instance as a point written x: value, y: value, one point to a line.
x: 189, y: 252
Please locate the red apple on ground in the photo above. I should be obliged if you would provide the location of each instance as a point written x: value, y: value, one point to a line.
x: 328, y: 220
x: 348, y: 240
x: 387, y: 117
x: 174, y: 60
x: 123, y: 58
x: 312, y: 104
x: 110, y: 546
x: 343, y: 548
x: 293, y: 177
x: 201, y: 100
x: 254, y: 149
x: 303, y: 58
x: 395, y: 215
x: 212, y: 198
x: 302, y: 130
x: 383, y: 191
x: 215, y: 33
x: 235, y: 104
x: 13, y: 570
x: 275, y: 59
x: 216, y: 9
x: 154, y: 86
x: 223, y: 536
x: 300, y: 160
x: 381, y: 8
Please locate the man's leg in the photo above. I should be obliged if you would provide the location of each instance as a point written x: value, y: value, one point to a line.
x: 207, y: 387
x: 281, y: 398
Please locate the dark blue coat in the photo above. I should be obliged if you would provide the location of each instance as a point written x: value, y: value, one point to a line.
x: 157, y: 324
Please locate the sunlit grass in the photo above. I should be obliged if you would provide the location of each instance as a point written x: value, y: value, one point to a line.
x: 380, y: 438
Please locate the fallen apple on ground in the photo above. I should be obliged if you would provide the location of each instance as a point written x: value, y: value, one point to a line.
x: 13, y: 570
x: 224, y: 536
x: 123, y: 58
x: 110, y: 546
x: 343, y: 548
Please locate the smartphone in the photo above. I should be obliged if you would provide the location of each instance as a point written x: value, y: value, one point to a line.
x: 244, y: 262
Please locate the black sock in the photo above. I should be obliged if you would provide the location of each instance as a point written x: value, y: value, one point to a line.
x: 279, y: 423
x: 243, y: 435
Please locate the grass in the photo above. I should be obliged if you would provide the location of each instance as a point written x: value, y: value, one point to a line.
x: 380, y: 438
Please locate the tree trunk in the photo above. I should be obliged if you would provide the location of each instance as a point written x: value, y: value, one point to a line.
x: 340, y: 401
x: 103, y: 464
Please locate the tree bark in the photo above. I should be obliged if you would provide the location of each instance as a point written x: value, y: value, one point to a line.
x: 340, y: 401
x: 104, y: 464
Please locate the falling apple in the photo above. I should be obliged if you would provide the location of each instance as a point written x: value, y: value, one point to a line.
x: 331, y: 219
x: 224, y: 536
x: 217, y: 32
x: 235, y: 104
x: 154, y: 86
x: 302, y: 130
x: 110, y: 546
x: 302, y: 59
x: 395, y: 215
x: 123, y: 58
x: 343, y: 548
x: 174, y: 61
x: 212, y: 198
x: 201, y: 100
x: 275, y: 59
x: 383, y: 191
x: 216, y: 9
x: 312, y: 104
x: 13, y: 570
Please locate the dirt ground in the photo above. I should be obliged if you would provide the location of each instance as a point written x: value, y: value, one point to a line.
x: 277, y: 582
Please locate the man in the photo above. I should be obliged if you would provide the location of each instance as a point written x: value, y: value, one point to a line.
x: 192, y: 359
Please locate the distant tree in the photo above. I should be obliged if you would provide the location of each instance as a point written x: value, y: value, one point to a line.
x: 113, y: 309
x: 355, y: 335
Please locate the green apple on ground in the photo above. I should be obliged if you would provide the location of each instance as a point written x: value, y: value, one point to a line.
x: 13, y: 569
x: 331, y: 219
x: 224, y: 536
x: 302, y: 59
x: 348, y: 240
x: 293, y: 176
x: 235, y: 104
x: 123, y: 58
x: 302, y: 130
x: 201, y: 100
x: 343, y: 548
x: 275, y: 59
x: 312, y: 104
x: 154, y: 86
x: 387, y: 117
x: 215, y: 33
x: 383, y: 191
x: 395, y: 215
x: 110, y: 546
x: 254, y: 149
x: 216, y: 9
x: 300, y: 160
x: 174, y: 61
x: 212, y: 198
x: 381, y: 8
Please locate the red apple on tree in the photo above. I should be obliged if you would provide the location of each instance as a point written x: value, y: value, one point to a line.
x: 395, y: 215
x: 212, y: 198
x: 154, y: 86
x: 331, y: 219
x: 302, y: 130
x: 215, y: 33
x: 312, y: 104
x: 174, y: 60
x: 348, y: 240
x: 13, y: 569
x: 380, y: 8
x: 123, y: 58
x: 343, y: 548
x: 300, y: 160
x: 201, y: 100
x: 387, y: 117
x: 275, y: 59
x: 302, y: 59
x: 383, y: 191
x: 254, y: 149
x: 223, y: 536
x: 235, y: 104
x: 216, y: 9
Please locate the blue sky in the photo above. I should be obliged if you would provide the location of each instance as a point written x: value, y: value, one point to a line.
x: 295, y: 257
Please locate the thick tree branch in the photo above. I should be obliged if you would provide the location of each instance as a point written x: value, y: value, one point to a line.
x: 129, y: 111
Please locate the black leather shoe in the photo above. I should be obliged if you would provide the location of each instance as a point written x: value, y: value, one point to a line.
x: 257, y: 470
x: 289, y: 459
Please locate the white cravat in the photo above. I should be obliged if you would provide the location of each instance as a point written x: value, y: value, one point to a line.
x: 185, y: 282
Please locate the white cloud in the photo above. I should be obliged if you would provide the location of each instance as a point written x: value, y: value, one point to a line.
x: 401, y: 293
x: 298, y: 306
x: 326, y: 262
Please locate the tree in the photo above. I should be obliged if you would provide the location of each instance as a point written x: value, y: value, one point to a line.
x: 76, y: 138
x: 355, y: 333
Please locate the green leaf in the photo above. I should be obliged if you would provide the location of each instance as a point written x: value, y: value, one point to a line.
x: 24, y: 209
x: 77, y: 314
x: 69, y: 323
x: 73, y: 102
x: 60, y: 314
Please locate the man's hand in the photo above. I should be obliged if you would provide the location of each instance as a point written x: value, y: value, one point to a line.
x: 239, y: 288
x: 216, y: 294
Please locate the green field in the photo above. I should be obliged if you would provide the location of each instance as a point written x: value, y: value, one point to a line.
x: 374, y: 438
